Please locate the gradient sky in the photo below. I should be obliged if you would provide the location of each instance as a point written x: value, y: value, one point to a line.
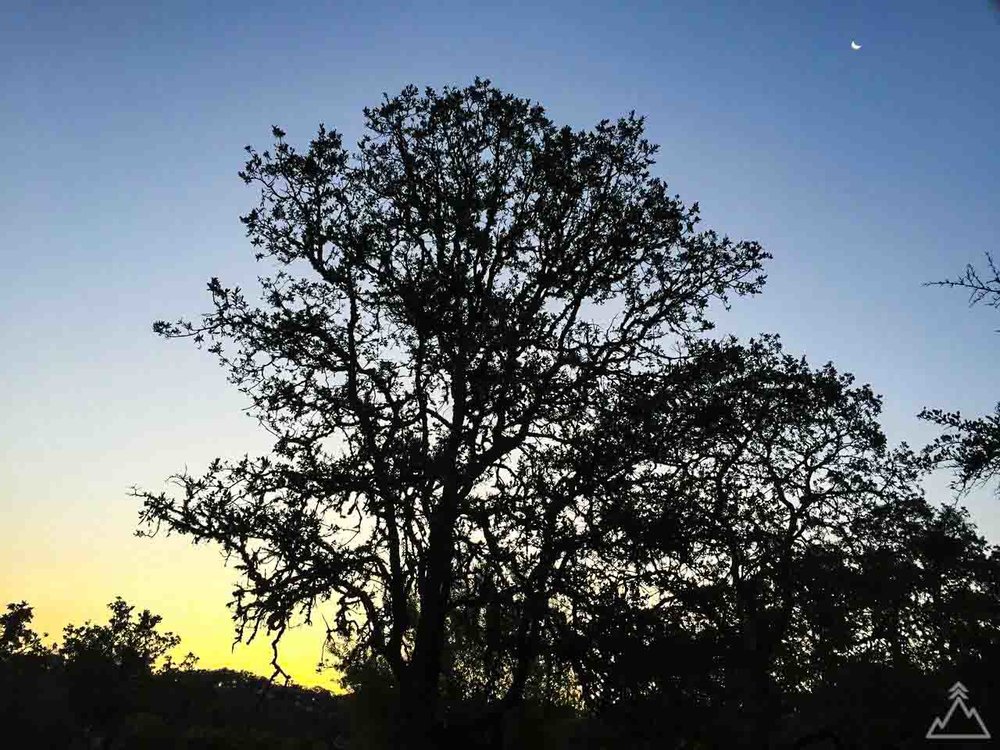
x: 864, y: 173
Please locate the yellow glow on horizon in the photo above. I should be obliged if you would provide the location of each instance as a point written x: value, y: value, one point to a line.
x: 68, y: 569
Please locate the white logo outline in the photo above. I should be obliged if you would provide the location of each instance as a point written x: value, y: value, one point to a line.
x: 958, y: 693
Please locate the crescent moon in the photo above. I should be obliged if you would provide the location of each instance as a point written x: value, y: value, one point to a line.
x: 855, y: 45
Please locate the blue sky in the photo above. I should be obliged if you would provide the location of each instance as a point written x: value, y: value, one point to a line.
x: 865, y: 174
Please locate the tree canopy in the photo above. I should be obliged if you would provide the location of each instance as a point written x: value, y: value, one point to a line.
x: 514, y: 467
x: 16, y: 635
x: 474, y: 279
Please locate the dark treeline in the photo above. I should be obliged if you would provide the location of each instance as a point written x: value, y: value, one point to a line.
x: 115, y: 685
x: 538, y: 504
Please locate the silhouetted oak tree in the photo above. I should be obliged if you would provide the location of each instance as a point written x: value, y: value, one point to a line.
x: 753, y: 535
x: 108, y: 667
x: 719, y: 555
x: 462, y: 290
x: 132, y: 645
x: 17, y: 638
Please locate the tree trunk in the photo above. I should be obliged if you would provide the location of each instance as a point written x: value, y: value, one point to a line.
x: 418, y: 724
x: 416, y: 720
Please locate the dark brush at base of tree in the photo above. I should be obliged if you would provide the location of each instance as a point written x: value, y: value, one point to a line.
x: 464, y: 289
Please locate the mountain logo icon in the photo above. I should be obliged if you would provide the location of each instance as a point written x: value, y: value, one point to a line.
x: 964, y: 724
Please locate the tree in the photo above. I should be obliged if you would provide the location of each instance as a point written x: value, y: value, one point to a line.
x: 114, y: 685
x: 969, y: 446
x: 475, y: 281
x: 133, y: 645
x: 16, y: 636
x: 109, y: 666
x: 749, y: 537
x: 757, y: 481
x: 32, y: 703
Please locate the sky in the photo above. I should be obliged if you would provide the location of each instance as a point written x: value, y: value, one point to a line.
x: 865, y: 173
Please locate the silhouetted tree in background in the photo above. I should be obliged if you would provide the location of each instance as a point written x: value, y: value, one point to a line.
x: 31, y: 706
x: 17, y: 639
x: 115, y: 686
x: 758, y: 546
x: 475, y: 282
x: 770, y: 475
x: 109, y: 667
x: 132, y: 644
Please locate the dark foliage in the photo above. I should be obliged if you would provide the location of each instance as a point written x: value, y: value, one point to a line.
x: 114, y: 687
x: 541, y: 506
x: 476, y: 281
